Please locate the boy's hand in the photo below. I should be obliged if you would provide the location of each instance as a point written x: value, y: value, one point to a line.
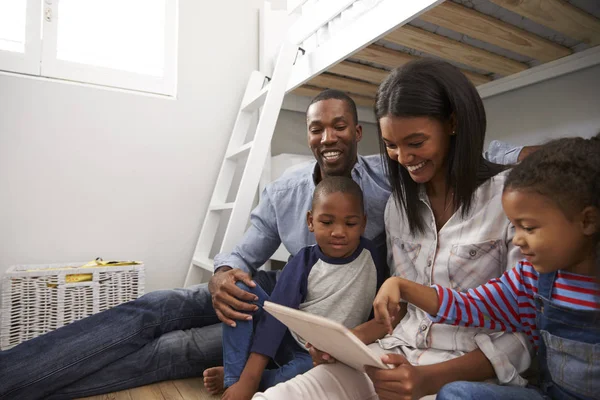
x: 228, y: 299
x: 387, y: 303
x: 239, y: 391
x: 318, y: 356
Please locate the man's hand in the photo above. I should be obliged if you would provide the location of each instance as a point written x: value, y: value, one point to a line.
x: 318, y: 356
x: 527, y: 150
x: 404, y: 382
x: 228, y: 299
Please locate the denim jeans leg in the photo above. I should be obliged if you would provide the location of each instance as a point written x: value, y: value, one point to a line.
x: 174, y: 355
x: 488, y: 391
x: 58, y: 359
x: 238, y: 341
x: 299, y: 364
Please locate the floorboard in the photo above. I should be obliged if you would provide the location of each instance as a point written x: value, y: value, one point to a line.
x: 182, y: 389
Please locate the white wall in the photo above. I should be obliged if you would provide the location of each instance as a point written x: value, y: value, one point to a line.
x: 88, y: 172
x: 290, y: 135
x: 565, y: 106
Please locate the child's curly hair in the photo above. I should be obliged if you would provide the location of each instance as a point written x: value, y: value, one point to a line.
x: 567, y: 171
x: 564, y: 170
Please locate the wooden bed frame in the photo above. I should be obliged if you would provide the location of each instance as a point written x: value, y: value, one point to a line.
x: 500, y: 45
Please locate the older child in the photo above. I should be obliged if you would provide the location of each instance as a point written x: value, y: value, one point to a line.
x: 553, y: 200
x: 337, y: 278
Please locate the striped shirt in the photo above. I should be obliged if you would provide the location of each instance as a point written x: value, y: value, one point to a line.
x: 507, y: 303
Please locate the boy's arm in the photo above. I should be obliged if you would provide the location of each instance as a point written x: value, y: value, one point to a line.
x: 387, y: 302
x: 493, y: 305
x: 372, y: 330
x: 253, y: 371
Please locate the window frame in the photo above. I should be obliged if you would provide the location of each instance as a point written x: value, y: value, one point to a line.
x: 40, y: 56
x: 29, y: 61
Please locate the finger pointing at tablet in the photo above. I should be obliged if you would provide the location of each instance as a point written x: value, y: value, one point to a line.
x: 386, y: 303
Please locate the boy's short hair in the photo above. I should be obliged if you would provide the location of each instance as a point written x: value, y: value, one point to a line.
x: 338, y: 184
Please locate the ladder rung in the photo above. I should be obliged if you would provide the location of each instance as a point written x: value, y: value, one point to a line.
x: 240, y: 151
x: 204, y: 263
x: 220, y: 206
x: 257, y: 101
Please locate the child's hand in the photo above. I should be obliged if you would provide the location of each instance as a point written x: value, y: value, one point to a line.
x: 239, y: 391
x: 386, y: 304
x: 318, y: 356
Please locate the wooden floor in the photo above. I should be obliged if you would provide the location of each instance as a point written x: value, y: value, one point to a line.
x: 183, y: 389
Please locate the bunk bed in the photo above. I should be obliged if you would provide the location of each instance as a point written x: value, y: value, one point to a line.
x: 500, y: 45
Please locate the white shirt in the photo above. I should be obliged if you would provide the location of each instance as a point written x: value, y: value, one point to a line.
x: 464, y: 254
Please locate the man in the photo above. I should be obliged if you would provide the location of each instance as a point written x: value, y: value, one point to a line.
x: 175, y: 334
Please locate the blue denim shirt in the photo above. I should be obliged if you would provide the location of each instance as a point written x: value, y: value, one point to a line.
x: 502, y: 153
x: 280, y: 216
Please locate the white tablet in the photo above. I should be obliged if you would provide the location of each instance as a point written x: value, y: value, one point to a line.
x: 326, y: 335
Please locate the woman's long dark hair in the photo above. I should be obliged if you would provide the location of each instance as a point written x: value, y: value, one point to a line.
x: 436, y: 89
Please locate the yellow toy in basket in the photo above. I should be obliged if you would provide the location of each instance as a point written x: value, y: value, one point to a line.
x: 98, y: 262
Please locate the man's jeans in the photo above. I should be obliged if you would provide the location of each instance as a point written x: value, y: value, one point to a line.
x: 168, y: 334
x: 237, y: 343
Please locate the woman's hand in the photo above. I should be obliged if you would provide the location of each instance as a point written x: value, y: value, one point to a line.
x: 404, y: 382
x: 387, y: 303
x: 318, y: 356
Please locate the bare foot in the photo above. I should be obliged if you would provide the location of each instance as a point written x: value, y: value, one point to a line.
x: 213, y: 380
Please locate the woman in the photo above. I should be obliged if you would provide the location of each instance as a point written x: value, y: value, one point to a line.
x: 445, y: 225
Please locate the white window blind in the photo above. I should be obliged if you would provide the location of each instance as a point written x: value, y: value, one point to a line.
x: 128, y: 44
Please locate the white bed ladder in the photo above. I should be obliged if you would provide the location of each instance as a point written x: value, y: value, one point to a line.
x: 259, y: 93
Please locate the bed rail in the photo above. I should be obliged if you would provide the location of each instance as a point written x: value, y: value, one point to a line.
x: 331, y: 30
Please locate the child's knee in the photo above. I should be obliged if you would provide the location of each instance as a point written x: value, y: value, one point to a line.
x: 243, y: 286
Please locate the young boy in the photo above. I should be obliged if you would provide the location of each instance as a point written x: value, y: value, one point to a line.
x: 337, y: 278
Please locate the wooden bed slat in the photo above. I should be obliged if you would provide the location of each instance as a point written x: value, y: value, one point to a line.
x: 383, y: 56
x: 359, y: 71
x: 312, y: 91
x: 558, y: 15
x: 441, y: 46
x: 491, y: 30
x: 391, y: 59
x: 326, y: 80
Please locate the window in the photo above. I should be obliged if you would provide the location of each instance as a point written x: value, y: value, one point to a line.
x: 129, y: 44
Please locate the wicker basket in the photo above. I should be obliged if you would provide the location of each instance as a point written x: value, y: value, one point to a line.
x: 40, y: 298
